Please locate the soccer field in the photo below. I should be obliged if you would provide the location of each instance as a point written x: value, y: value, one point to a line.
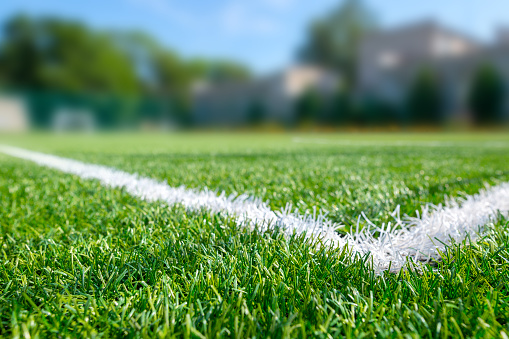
x: 81, y: 258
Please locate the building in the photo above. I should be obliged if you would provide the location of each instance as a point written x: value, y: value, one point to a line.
x: 388, y: 65
x: 231, y: 104
x: 13, y: 115
x: 389, y: 61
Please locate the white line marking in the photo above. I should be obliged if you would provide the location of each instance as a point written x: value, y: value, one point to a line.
x: 419, y: 238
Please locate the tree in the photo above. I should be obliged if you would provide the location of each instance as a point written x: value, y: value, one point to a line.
x: 487, y: 95
x: 308, y: 107
x: 425, y: 102
x: 61, y: 55
x: 64, y: 55
x: 376, y: 111
x: 226, y: 71
x: 340, y: 108
x: 164, y: 72
x: 256, y: 113
x: 334, y: 41
x: 19, y: 57
x: 113, y: 73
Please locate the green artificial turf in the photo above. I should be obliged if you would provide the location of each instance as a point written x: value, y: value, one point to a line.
x: 81, y: 260
x: 348, y: 175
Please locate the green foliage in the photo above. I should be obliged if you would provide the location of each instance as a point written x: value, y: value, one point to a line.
x: 334, y: 41
x: 115, y: 75
x: 167, y: 72
x: 487, y: 95
x: 60, y: 55
x: 64, y: 55
x: 225, y: 71
x: 425, y: 101
x: 341, y: 108
x: 257, y: 113
x: 345, y: 110
x: 309, y: 107
x: 376, y: 112
x: 81, y: 260
x: 19, y: 60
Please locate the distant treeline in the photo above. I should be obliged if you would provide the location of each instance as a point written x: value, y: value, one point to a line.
x: 425, y: 103
x: 119, y: 75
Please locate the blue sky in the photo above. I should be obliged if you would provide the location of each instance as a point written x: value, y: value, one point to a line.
x: 261, y: 33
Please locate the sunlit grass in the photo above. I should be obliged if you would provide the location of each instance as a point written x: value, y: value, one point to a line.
x: 81, y: 260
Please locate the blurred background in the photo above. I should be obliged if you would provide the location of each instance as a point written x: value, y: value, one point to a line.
x: 196, y: 64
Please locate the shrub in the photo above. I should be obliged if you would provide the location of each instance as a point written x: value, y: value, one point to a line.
x: 309, y: 107
x: 425, y: 102
x: 256, y: 113
x: 487, y: 95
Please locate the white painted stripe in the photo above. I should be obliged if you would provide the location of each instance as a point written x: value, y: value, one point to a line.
x: 419, y: 238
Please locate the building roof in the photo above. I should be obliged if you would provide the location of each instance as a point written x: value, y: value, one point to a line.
x: 428, y: 24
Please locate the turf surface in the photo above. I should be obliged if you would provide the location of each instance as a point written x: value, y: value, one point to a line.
x: 83, y: 260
